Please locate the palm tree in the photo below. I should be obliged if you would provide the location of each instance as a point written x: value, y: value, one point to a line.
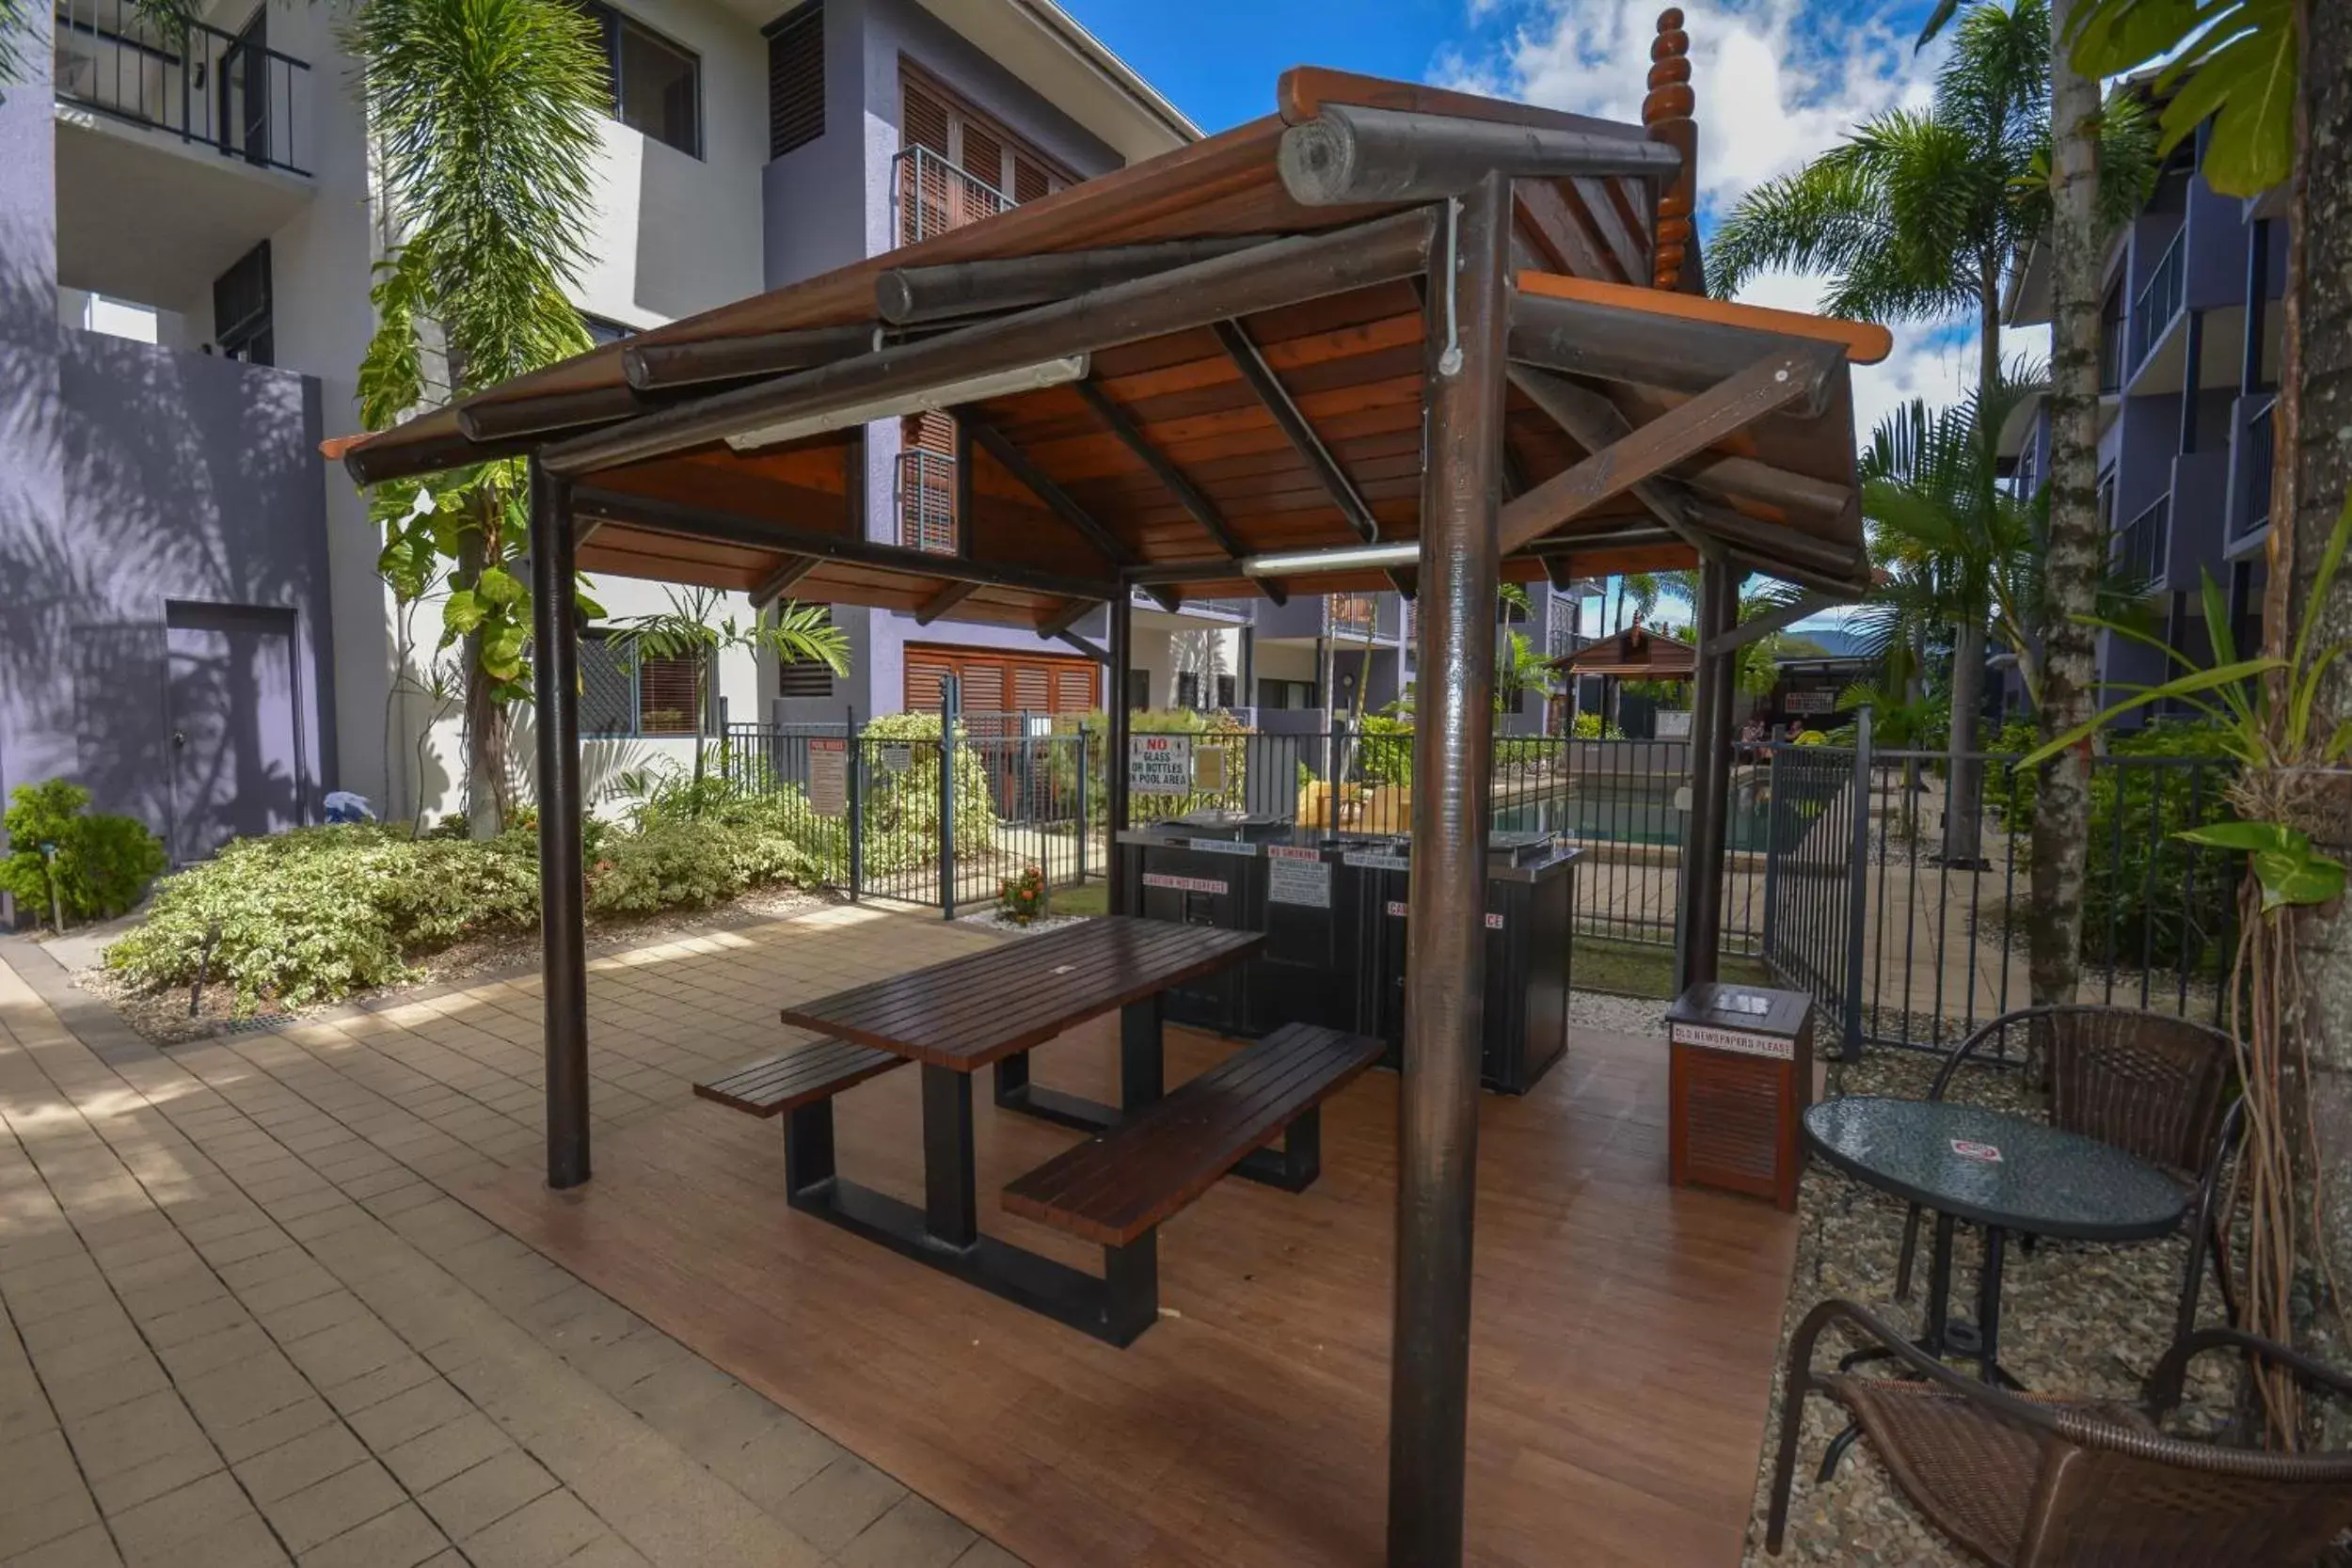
x: 801, y: 633
x: 484, y: 115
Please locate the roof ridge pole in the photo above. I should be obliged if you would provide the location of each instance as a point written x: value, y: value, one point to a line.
x: 1467, y: 317
x: 563, y: 893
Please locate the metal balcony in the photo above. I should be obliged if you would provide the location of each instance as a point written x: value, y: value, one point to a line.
x: 2159, y: 299
x: 934, y: 195
x: 2138, y: 547
x: 228, y: 91
x: 927, y: 502
x: 2255, y: 455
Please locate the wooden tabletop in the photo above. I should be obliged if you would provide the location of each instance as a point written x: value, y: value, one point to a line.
x: 971, y: 1011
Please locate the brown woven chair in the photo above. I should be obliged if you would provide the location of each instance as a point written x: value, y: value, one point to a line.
x: 2152, y: 1084
x: 2027, y: 1482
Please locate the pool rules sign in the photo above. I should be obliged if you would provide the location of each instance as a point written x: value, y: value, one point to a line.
x: 1159, y: 764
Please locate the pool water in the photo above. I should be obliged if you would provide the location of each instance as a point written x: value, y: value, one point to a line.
x: 1627, y: 811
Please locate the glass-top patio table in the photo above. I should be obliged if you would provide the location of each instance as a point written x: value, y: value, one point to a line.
x: 1999, y: 1170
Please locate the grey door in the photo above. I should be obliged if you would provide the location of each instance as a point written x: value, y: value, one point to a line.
x: 235, y: 733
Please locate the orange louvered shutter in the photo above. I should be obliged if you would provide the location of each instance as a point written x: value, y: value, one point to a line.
x: 1076, y: 688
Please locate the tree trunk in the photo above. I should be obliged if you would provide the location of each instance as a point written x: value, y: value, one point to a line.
x: 2061, y: 829
x: 485, y: 716
x: 2314, y: 478
x: 1964, y: 804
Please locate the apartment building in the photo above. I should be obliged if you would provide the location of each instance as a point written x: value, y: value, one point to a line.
x: 193, y: 623
x: 2189, y: 343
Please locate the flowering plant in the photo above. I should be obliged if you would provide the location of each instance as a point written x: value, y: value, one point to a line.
x: 1022, y: 900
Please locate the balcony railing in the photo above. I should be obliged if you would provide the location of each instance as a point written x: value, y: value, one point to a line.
x: 2138, y: 547
x: 934, y: 195
x: 1350, y: 615
x: 1239, y: 610
x: 2255, y: 456
x: 927, y: 502
x: 2159, y: 299
x: 2111, y: 343
x: 227, y: 91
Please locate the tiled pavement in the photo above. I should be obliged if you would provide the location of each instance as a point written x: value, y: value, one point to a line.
x: 247, y: 1323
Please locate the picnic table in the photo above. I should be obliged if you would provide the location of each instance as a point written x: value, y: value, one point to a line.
x: 1152, y: 1154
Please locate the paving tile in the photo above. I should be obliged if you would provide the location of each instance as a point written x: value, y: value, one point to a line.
x: 474, y: 1499
x: 88, y: 1547
x: 916, y: 1533
x: 195, y: 1357
x: 131, y: 1373
x: 157, y: 1529
x: 239, y: 1444
x: 133, y: 1435
x: 608, y: 1551
x: 334, y: 1357
x: 836, y: 1504
x: 985, y: 1553
x: 400, y: 1539
x: 324, y: 1509
x: 166, y: 1472
x: 243, y: 1391
x: 38, y: 1521
x: 537, y: 1535
x: 412, y: 1414
x: 777, y: 1463
x: 369, y: 1390
x: 195, y: 1323
x: 427, y: 1461
x: 288, y: 1468
x: 301, y: 1319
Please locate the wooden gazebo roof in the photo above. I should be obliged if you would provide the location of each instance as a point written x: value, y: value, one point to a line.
x: 1636, y: 652
x: 1210, y: 357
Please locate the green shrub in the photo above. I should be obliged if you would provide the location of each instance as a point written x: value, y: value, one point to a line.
x: 1595, y: 726
x: 2145, y: 892
x: 102, y: 864
x: 317, y: 913
x: 900, y: 807
x: 668, y: 865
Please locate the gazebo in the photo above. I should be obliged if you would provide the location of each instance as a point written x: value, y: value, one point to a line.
x: 1635, y: 653
x: 1385, y: 337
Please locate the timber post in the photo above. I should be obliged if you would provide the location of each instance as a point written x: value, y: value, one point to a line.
x: 563, y: 888
x: 1465, y: 319
x: 1699, y: 907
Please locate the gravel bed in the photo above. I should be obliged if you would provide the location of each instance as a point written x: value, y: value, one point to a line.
x: 2076, y: 1318
x: 1618, y: 1015
x: 991, y: 920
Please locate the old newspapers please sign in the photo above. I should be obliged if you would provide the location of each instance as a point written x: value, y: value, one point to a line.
x: 1745, y: 1042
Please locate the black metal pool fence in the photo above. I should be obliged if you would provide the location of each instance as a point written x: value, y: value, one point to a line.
x: 1836, y: 877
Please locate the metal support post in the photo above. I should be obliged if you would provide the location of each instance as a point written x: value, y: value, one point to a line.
x: 950, y: 710
x: 1464, y: 327
x: 1122, y: 649
x: 1858, y: 889
x: 855, y: 767
x: 1086, y: 827
x: 563, y: 892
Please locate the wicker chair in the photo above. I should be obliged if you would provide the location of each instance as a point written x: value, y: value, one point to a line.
x: 2027, y: 1481
x: 2152, y: 1084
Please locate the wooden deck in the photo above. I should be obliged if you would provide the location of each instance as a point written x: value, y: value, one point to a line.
x: 1621, y: 1359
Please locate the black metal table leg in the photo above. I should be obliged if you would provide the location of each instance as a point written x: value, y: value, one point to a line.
x: 1936, y: 1327
x: 1142, y: 1054
x: 951, y: 1213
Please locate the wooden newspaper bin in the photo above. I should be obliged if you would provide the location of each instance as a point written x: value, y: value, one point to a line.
x: 1740, y: 1079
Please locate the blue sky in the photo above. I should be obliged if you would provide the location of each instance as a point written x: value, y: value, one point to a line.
x: 1777, y: 81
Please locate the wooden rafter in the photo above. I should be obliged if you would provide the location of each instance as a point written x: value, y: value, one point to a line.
x: 780, y: 581
x: 656, y: 514
x: 1259, y: 375
x: 1058, y: 500
x: 948, y: 596
x: 1066, y: 617
x: 907, y: 295
x: 1768, y: 384
x: 1187, y: 494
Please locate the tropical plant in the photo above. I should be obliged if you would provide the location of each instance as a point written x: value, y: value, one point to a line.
x: 2267, y: 713
x: 66, y: 859
x: 1955, y: 548
x: 484, y: 117
x: 691, y: 629
x: 2234, y: 62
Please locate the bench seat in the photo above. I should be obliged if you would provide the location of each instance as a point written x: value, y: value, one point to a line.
x: 797, y: 1075
x: 1116, y: 1187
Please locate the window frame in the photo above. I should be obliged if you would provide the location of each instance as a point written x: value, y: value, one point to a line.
x: 611, y: 22
x: 634, y: 666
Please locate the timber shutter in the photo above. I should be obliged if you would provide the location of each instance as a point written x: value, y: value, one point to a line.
x: 796, y: 79
x: 995, y: 682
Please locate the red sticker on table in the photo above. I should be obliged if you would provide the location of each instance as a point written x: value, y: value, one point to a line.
x: 1989, y: 1153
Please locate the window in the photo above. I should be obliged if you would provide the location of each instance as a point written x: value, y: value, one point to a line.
x: 1187, y: 689
x: 241, y: 309
x: 602, y: 331
x: 796, y: 79
x: 1225, y: 692
x: 805, y: 677
x: 656, y: 84
x: 625, y: 697
x: 955, y: 165
x: 1138, y: 688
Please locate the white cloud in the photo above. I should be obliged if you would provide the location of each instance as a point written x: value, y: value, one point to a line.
x: 1777, y: 82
